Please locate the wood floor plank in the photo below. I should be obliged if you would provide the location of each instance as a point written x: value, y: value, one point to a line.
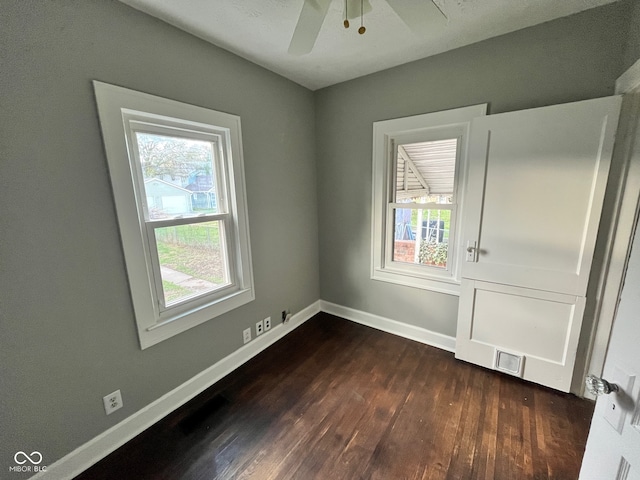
x: 337, y: 400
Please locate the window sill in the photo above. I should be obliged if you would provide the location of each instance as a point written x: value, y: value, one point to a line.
x: 167, y: 328
x: 434, y: 284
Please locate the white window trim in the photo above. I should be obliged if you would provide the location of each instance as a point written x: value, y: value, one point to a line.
x: 437, y: 125
x: 116, y: 107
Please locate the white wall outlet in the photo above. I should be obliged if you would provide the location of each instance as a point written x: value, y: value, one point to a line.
x: 259, y: 328
x: 267, y: 324
x: 246, y: 335
x: 112, y: 402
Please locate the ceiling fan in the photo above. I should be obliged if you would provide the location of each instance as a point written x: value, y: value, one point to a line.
x: 417, y: 14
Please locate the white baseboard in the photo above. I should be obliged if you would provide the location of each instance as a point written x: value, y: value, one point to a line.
x: 411, y: 332
x: 99, y: 447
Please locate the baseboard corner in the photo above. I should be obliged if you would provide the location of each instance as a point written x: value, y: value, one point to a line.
x: 411, y: 332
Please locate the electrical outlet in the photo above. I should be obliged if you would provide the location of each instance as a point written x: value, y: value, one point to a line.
x: 259, y: 328
x: 267, y: 324
x: 246, y: 335
x: 112, y: 402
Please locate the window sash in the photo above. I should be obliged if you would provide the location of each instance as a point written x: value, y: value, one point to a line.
x: 165, y: 310
x: 415, y: 269
x: 392, y: 160
x: 219, y: 146
x: 137, y: 123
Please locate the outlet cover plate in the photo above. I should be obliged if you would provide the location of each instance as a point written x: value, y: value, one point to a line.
x: 259, y: 328
x: 246, y: 335
x: 267, y: 324
x: 112, y: 402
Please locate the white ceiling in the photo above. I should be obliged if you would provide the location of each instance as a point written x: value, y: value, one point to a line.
x: 260, y: 31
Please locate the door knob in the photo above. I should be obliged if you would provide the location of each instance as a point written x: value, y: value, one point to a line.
x: 599, y: 386
x: 471, y: 249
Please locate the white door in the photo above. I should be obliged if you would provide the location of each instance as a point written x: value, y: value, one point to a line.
x: 613, y: 447
x: 535, y: 189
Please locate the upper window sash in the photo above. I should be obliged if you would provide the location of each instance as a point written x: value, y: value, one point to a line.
x: 137, y: 122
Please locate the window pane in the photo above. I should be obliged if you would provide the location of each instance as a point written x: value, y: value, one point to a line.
x: 424, y: 245
x: 192, y: 261
x: 178, y: 174
x: 425, y: 171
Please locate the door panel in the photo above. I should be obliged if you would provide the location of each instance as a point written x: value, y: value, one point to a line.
x: 542, y: 328
x: 535, y: 190
x: 536, y: 184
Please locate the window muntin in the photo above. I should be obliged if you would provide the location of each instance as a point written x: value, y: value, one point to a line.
x: 178, y: 181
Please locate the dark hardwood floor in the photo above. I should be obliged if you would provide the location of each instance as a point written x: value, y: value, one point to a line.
x: 337, y: 400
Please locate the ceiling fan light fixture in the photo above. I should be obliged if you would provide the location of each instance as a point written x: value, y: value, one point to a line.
x: 416, y: 14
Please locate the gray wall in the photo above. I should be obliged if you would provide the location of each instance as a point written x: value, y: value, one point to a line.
x: 570, y: 59
x: 67, y: 328
x: 632, y: 50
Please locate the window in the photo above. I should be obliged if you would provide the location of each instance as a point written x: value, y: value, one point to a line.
x: 178, y: 182
x: 419, y: 166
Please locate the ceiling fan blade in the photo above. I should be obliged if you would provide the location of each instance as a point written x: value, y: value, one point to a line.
x: 311, y: 18
x: 418, y: 15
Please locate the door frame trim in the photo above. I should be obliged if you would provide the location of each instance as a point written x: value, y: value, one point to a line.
x: 621, y: 227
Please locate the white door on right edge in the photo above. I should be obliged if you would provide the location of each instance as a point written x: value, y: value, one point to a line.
x: 535, y: 189
x: 613, y: 447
